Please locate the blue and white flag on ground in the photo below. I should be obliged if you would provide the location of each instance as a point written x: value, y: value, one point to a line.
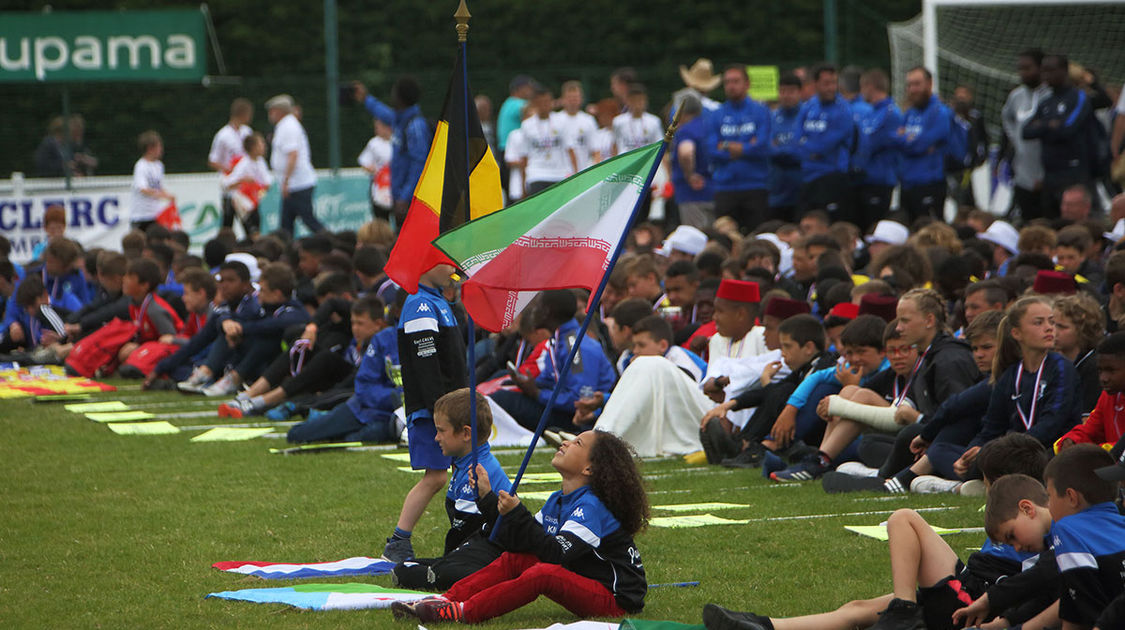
x: 360, y: 565
x: 350, y: 596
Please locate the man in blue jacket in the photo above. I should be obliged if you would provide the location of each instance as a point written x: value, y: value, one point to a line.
x: 411, y: 136
x: 1061, y: 123
x: 739, y: 146
x: 881, y: 154
x: 925, y: 134
x: 827, y: 135
x: 785, y: 156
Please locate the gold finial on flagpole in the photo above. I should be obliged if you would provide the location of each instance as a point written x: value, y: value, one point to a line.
x: 671, y: 131
x: 462, y: 16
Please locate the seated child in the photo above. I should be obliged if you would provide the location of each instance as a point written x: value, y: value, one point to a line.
x: 930, y: 581
x: 856, y: 410
x: 578, y: 550
x: 300, y: 371
x: 35, y: 322
x: 155, y: 319
x: 803, y: 341
x: 471, y: 516
x: 251, y: 344
x: 1102, y: 426
x: 109, y: 301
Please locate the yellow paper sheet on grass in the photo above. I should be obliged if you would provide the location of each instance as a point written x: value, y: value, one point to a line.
x: 699, y: 507
x: 879, y: 532
x: 693, y: 520
x: 536, y: 477
x: 228, y: 434
x: 111, y: 405
x: 143, y: 428
x: 120, y: 416
x: 541, y: 495
x: 398, y: 457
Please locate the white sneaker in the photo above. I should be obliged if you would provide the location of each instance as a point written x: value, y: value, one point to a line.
x: 932, y: 484
x: 972, y: 488
x: 196, y: 382
x: 223, y: 387
x: 857, y: 469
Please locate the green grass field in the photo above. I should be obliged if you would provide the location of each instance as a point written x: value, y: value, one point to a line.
x: 105, y: 531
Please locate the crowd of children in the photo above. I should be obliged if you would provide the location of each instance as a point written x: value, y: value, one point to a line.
x: 928, y: 358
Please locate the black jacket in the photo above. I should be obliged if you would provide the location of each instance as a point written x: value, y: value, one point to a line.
x: 947, y: 368
x: 1060, y: 123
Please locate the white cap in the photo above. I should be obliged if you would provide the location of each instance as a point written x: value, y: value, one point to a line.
x: 687, y: 239
x: 1003, y: 234
x: 786, y: 252
x: 890, y: 232
x: 250, y: 262
x: 1118, y: 232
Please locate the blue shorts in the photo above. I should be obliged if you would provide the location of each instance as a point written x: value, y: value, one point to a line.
x: 425, y: 454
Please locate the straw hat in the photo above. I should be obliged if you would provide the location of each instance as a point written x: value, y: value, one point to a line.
x: 701, y: 75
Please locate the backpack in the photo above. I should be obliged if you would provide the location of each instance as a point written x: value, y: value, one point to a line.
x: 149, y: 354
x: 96, y: 353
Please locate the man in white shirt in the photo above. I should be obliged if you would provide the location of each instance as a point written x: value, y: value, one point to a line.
x: 547, y: 158
x: 148, y: 195
x: 226, y: 149
x: 579, y: 128
x: 292, y: 166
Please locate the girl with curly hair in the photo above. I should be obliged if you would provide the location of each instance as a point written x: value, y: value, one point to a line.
x: 1079, y: 327
x: 578, y: 550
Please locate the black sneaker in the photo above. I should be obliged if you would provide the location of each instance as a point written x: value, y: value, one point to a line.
x: 798, y: 451
x: 900, y: 615
x: 398, y: 550
x: 716, y: 617
x: 129, y: 371
x: 835, y: 482
x: 717, y: 443
x: 750, y: 457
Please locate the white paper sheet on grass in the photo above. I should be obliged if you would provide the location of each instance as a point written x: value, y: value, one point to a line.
x: 143, y: 428
x: 227, y: 434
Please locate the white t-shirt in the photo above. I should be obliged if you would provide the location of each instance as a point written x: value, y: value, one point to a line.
x: 146, y: 174
x: 254, y: 169
x: 578, y: 134
x: 227, y: 145
x: 377, y: 156
x: 289, y: 136
x: 514, y: 151
x: 547, y: 158
x: 603, y: 142
x: 631, y: 133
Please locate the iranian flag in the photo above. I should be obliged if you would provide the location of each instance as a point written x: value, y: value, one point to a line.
x: 563, y: 237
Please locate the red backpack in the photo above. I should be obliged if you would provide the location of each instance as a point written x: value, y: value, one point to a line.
x: 149, y: 354
x: 97, y: 352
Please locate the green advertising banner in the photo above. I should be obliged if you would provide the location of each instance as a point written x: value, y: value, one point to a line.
x: 77, y: 46
x: 763, y: 82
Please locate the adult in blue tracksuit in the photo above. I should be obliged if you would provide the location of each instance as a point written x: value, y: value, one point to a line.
x: 691, y: 166
x: 590, y: 373
x: 411, y: 136
x: 1061, y: 123
x: 739, y: 147
x: 880, y: 148
x: 827, y: 136
x: 785, y: 154
x: 925, y: 134
x: 852, y: 94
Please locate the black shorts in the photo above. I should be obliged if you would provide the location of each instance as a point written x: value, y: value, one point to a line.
x: 952, y: 593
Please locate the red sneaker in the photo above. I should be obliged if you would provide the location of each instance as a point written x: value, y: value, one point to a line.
x: 439, y: 610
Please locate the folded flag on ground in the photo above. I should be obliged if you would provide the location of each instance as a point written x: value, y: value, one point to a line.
x: 350, y: 596
x: 359, y: 565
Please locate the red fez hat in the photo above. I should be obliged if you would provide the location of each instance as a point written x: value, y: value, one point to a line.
x: 783, y: 308
x: 881, y: 306
x: 1051, y: 282
x: 739, y: 291
x: 844, y: 310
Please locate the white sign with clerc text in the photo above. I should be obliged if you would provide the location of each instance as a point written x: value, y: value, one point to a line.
x: 95, y: 218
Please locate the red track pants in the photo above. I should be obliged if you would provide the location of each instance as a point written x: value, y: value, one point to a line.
x: 517, y: 579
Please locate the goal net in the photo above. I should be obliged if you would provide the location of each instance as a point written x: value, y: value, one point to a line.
x: 977, y: 42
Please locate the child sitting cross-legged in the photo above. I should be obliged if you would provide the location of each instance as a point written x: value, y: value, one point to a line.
x: 471, y: 515
x: 156, y: 320
x: 930, y: 581
x: 578, y: 550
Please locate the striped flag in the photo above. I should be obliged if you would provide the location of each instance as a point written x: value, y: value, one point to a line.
x: 359, y: 565
x: 439, y: 198
x: 560, y: 238
x: 350, y: 596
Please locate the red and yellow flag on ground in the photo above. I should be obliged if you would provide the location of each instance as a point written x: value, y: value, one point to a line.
x: 439, y: 203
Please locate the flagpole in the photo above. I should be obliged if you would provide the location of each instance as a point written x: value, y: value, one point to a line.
x: 462, y: 16
x: 591, y: 309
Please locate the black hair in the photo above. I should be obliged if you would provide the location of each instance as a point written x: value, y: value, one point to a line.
x: 315, y: 243
x: 656, y: 326
x: 1113, y: 345
x: 556, y: 307
x: 683, y: 268
x: 369, y: 305
x: 7, y: 270
x: 710, y: 264
x: 615, y: 479
x: 1059, y: 58
x: 1034, y: 54
x: 1073, y: 468
x: 215, y: 252
x: 157, y: 232
x: 740, y: 67
x: 146, y: 271
x: 1012, y: 454
x: 407, y: 91
x: 181, y: 238
x: 823, y: 68
x: 865, y: 330
x: 369, y: 260
x: 790, y: 80
x: 995, y: 293
x: 240, y: 269
x: 163, y: 253
x: 30, y: 289
x: 803, y: 329
x: 335, y: 283
x: 630, y: 311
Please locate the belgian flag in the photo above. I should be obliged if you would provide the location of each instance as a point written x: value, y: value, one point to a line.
x: 439, y: 203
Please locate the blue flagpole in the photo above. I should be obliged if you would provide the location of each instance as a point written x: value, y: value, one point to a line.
x: 590, y: 313
x: 462, y: 16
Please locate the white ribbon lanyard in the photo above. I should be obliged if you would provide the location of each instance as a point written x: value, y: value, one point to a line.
x: 1029, y: 419
x: 910, y: 381
x: 141, y: 312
